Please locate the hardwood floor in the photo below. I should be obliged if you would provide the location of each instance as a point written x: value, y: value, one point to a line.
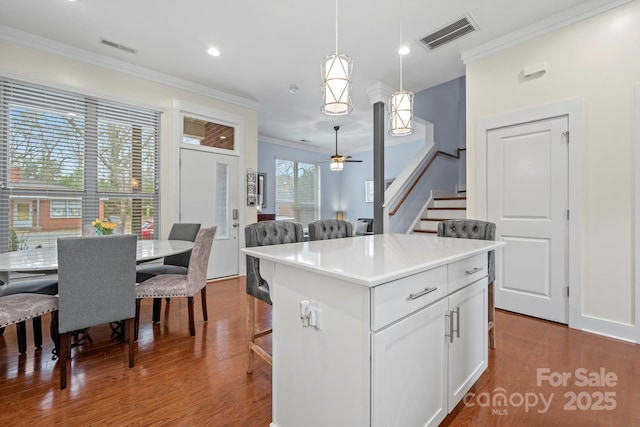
x: 176, y: 380
x: 179, y: 380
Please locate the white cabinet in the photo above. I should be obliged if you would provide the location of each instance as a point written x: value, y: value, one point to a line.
x: 423, y: 364
x: 468, y: 351
x: 409, y: 370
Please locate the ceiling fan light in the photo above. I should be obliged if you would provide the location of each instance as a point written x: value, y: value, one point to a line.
x: 401, y: 113
x: 336, y: 166
x: 336, y: 84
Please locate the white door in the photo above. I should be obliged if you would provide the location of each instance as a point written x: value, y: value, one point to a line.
x: 209, y: 196
x: 527, y: 198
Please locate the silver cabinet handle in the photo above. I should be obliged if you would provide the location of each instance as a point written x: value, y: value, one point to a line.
x: 422, y: 293
x: 450, y: 334
x: 457, y: 312
x: 475, y: 270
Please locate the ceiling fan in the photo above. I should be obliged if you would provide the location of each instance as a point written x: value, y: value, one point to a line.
x: 338, y: 161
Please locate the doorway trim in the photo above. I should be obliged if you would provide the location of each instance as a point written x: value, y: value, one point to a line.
x: 180, y: 108
x: 637, y: 212
x: 572, y: 109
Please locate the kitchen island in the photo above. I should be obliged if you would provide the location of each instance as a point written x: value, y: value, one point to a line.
x: 375, y: 330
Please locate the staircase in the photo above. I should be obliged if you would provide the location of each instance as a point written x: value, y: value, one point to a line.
x: 442, y: 207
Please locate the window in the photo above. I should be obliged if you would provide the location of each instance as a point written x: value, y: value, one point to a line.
x: 66, y: 208
x: 297, y: 188
x: 67, y: 159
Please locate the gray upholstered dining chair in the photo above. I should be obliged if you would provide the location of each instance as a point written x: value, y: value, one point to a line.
x: 45, y: 286
x: 182, y: 285
x: 330, y: 229
x: 173, y: 264
x: 481, y: 230
x: 96, y: 285
x: 263, y: 233
x: 18, y: 308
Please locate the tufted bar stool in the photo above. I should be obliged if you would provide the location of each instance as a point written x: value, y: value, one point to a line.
x: 263, y: 233
x: 330, y: 229
x: 481, y: 230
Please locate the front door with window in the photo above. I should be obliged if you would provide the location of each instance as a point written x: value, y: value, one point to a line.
x: 209, y: 195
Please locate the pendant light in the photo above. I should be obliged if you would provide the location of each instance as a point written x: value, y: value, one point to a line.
x: 401, y: 102
x: 336, y: 81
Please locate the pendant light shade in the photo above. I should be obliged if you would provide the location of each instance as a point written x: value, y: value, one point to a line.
x: 336, y: 84
x: 336, y: 166
x: 401, y: 113
x: 336, y: 81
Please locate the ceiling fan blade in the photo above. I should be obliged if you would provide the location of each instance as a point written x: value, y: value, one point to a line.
x: 353, y: 161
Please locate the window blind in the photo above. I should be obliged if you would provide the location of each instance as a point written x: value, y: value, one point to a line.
x: 67, y: 159
x: 297, y: 191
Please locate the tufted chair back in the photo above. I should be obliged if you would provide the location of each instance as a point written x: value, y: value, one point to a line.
x: 199, y: 259
x: 471, y: 229
x: 330, y: 229
x: 265, y: 233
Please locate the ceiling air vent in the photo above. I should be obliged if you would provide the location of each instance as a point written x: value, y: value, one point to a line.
x: 118, y: 46
x: 449, y: 32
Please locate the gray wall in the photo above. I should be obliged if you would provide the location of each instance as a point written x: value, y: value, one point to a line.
x: 445, y: 106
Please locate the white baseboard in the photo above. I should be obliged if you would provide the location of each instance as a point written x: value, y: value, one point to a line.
x: 608, y: 328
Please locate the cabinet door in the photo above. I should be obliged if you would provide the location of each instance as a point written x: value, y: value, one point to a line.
x: 468, y: 351
x: 409, y: 370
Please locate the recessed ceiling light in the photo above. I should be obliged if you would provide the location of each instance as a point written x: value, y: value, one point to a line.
x: 213, y: 51
x: 404, y: 50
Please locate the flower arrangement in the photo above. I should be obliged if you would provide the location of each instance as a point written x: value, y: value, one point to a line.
x: 103, y: 228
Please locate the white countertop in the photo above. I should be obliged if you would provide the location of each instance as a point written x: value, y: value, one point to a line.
x: 373, y: 260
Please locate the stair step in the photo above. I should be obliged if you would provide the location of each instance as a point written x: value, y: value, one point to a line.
x: 425, y: 231
x: 428, y: 224
x: 447, y: 213
x: 450, y: 202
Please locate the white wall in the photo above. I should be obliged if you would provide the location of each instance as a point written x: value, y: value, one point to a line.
x: 46, y: 68
x: 598, y: 62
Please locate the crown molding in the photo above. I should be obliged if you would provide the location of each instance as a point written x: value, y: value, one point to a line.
x: 567, y: 17
x: 30, y: 40
x: 379, y: 92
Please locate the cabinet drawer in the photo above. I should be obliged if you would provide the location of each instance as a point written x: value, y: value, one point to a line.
x: 394, y: 300
x: 467, y: 270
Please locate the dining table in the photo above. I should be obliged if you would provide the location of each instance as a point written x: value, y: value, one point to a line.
x: 45, y: 260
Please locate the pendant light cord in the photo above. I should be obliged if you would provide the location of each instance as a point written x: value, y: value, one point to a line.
x: 400, y: 45
x: 336, y: 27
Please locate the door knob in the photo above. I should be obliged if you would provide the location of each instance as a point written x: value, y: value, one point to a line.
x: 235, y: 224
